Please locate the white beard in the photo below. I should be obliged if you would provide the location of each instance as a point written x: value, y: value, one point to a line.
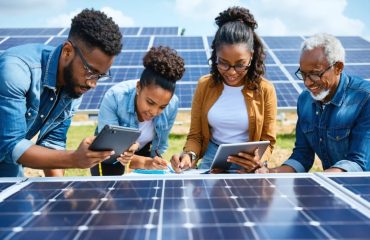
x: 321, y: 95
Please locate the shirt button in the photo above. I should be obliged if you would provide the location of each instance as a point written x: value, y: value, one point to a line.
x: 51, y: 99
x: 42, y: 116
x: 337, y: 138
x: 317, y: 113
x: 29, y: 114
x: 320, y: 139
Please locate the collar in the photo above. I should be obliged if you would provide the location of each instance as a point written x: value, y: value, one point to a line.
x: 51, y: 68
x: 340, y: 93
x: 131, y: 104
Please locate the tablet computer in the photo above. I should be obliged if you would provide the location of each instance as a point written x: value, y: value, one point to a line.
x: 225, y: 150
x: 115, y: 138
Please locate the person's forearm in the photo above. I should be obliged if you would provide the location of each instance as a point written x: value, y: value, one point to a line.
x: 44, y: 158
x: 282, y: 169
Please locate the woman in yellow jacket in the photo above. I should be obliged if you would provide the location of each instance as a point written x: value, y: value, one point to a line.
x: 234, y: 103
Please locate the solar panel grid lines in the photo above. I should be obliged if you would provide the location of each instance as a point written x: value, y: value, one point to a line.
x: 272, y: 206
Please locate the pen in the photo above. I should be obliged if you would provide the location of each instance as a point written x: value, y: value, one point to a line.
x: 168, y: 166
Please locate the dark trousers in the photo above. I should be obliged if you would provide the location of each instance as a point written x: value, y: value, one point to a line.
x: 110, y: 169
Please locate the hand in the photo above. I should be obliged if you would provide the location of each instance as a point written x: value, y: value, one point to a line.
x: 261, y: 170
x: 180, y: 163
x: 127, y: 156
x: 248, y: 162
x: 155, y: 163
x: 85, y: 158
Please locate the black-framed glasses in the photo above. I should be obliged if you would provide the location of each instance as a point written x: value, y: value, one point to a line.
x: 239, y: 67
x: 90, y: 74
x: 314, y: 77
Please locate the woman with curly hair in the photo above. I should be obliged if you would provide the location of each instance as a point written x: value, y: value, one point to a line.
x: 234, y: 103
x: 149, y: 105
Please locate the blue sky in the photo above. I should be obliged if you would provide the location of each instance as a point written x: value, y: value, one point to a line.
x: 275, y: 17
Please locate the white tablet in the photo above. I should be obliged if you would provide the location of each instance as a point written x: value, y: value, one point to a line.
x: 225, y: 150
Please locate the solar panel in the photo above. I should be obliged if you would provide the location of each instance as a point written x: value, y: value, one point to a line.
x: 359, y: 185
x: 180, y: 42
x: 123, y: 74
x: 129, y: 59
x: 353, y: 42
x: 274, y: 73
x: 29, y: 31
x: 356, y: 56
x: 283, y: 206
x: 129, y: 31
x: 185, y: 92
x: 15, y: 41
x: 362, y: 71
x: 287, y: 56
x: 289, y: 42
x: 194, y: 73
x: 135, y: 43
x: 194, y: 57
x: 92, y: 99
x: 56, y: 41
x: 286, y: 93
x: 159, y: 31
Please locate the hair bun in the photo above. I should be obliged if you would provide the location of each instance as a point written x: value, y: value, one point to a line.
x: 166, y: 62
x: 234, y: 14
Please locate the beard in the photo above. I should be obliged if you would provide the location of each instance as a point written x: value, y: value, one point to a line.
x: 71, y: 83
x: 321, y: 96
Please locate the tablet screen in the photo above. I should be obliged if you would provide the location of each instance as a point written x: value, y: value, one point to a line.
x: 225, y: 150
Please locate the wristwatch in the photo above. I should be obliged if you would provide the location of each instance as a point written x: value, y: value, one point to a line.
x: 192, y: 155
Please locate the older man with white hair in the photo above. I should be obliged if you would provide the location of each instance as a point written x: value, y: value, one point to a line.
x: 333, y: 113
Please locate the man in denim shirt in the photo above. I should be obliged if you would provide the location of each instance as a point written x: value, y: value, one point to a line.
x: 333, y: 113
x: 41, y: 90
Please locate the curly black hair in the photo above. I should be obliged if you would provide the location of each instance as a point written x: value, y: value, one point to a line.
x: 237, y: 25
x: 163, y: 67
x: 96, y: 29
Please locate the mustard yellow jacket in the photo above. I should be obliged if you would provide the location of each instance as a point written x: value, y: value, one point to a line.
x: 261, y: 106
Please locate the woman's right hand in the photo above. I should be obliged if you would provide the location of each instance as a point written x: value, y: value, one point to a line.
x: 180, y: 162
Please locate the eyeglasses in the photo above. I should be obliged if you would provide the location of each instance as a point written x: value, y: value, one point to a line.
x: 91, y: 76
x: 313, y: 77
x: 239, y: 68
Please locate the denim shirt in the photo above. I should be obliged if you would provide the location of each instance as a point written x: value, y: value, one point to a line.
x: 118, y: 108
x: 28, y: 93
x: 338, y: 133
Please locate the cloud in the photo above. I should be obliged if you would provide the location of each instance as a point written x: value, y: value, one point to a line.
x: 304, y: 17
x: 203, y: 9
x: 64, y: 20
x: 20, y: 7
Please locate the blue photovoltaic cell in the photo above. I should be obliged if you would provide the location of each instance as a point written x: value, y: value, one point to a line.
x: 129, y: 59
x: 123, y: 74
x: 288, y: 57
x: 194, y: 73
x: 292, y: 70
x: 209, y: 40
x: 57, y: 41
x: 274, y: 73
x: 223, y: 208
x: 283, y: 42
x: 362, y: 71
x: 354, y: 42
x: 185, y: 93
x: 359, y: 185
x: 194, y: 57
x: 135, y: 43
x: 15, y: 41
x: 29, y: 31
x: 356, y: 56
x: 159, y: 31
x: 269, y: 59
x: 286, y: 93
x: 129, y: 31
x: 179, y: 42
x: 92, y: 99
x: 4, y: 185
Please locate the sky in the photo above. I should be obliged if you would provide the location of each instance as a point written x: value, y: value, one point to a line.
x: 274, y: 17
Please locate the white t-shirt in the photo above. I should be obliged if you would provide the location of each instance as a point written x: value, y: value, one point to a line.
x: 147, y: 133
x: 228, y: 117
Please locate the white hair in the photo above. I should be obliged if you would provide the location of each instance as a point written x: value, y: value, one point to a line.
x: 333, y: 49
